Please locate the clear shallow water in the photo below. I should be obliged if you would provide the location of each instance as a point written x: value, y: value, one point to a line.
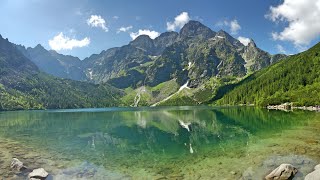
x: 150, y: 143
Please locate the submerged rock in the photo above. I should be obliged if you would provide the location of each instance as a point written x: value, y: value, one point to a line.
x: 17, y: 165
x: 87, y: 170
x: 38, y: 174
x: 314, y: 175
x: 284, y: 171
x: 303, y: 163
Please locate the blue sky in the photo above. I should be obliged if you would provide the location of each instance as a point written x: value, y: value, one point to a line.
x: 35, y: 22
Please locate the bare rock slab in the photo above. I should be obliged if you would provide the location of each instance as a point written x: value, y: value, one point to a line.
x: 314, y: 175
x: 284, y: 171
x: 38, y: 174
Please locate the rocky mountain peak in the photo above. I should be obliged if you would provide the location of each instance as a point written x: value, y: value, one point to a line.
x: 12, y: 60
x: 143, y: 42
x: 142, y: 39
x: 37, y: 49
x: 3, y: 40
x: 164, y: 40
x: 195, y: 28
x: 224, y: 35
x: 252, y: 44
x: 166, y: 37
x: 167, y: 34
x: 39, y: 46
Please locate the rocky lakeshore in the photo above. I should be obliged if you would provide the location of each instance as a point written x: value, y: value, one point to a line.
x: 18, y: 161
x: 300, y: 167
x: 284, y: 167
x: 290, y: 107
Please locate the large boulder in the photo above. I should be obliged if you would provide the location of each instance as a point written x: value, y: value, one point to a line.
x: 317, y: 167
x: 17, y: 165
x: 314, y: 175
x: 38, y: 174
x: 284, y: 171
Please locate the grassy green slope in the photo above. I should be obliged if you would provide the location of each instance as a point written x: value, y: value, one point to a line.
x: 150, y: 95
x: 295, y: 79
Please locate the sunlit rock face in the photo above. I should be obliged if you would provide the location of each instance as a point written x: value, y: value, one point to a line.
x: 146, y: 61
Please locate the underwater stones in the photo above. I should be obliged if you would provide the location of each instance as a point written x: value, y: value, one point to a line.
x: 284, y: 171
x: 300, y: 150
x: 88, y: 170
x: 314, y: 175
x: 17, y: 165
x: 303, y: 163
x: 311, y: 141
x: 233, y: 172
x: 165, y: 171
x: 248, y: 173
x: 38, y: 174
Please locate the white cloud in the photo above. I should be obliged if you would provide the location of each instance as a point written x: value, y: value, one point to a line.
x: 124, y: 29
x: 234, y: 27
x: 245, y: 41
x: 151, y: 34
x: 179, y: 21
x: 97, y: 21
x: 302, y: 19
x: 198, y: 18
x: 62, y: 42
x: 115, y: 17
x: 281, y: 49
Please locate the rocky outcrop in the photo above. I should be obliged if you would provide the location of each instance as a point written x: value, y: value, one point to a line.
x: 283, y: 107
x: 284, y: 171
x: 38, y: 174
x: 314, y: 175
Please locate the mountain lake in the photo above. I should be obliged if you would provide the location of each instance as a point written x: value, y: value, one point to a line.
x: 159, y: 143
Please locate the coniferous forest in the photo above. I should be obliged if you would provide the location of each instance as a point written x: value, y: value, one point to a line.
x: 295, y: 79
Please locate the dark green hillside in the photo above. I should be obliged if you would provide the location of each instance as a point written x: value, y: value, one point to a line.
x: 295, y: 79
x: 23, y: 86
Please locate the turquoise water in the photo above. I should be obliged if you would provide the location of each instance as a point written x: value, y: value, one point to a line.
x: 150, y: 143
